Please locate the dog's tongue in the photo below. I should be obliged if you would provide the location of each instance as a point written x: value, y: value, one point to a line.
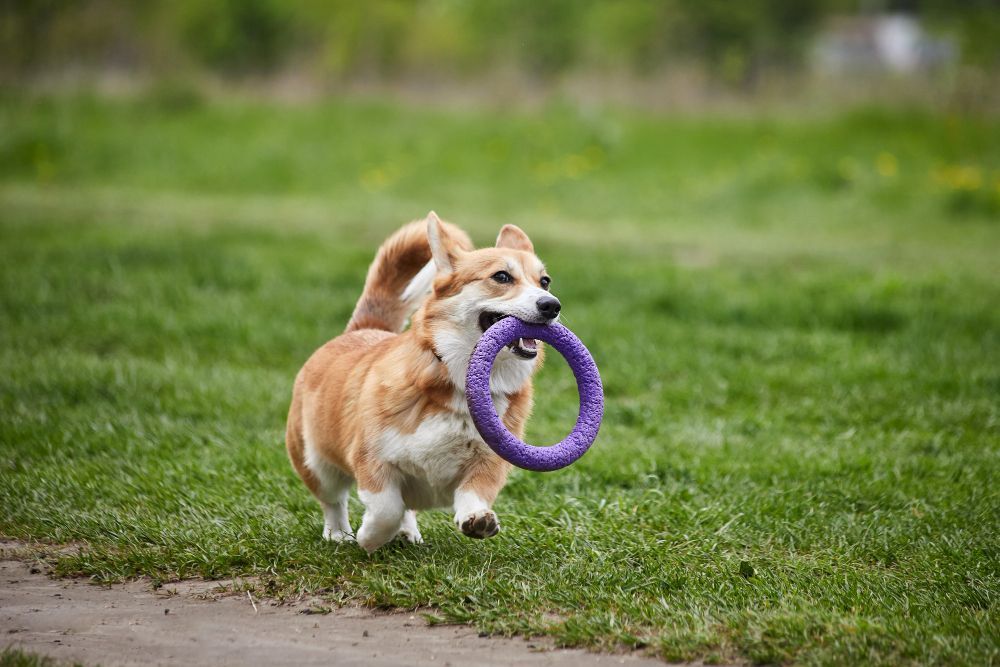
x: 528, y: 343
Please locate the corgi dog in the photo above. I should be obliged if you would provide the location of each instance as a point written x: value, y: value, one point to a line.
x: 385, y: 408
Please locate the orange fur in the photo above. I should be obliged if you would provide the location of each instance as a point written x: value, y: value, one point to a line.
x: 398, y: 260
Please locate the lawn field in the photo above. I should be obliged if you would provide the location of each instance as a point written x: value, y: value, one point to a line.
x: 796, y: 320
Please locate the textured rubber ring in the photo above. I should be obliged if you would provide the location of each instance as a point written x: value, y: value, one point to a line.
x: 484, y: 414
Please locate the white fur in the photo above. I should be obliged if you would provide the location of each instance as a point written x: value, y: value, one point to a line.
x: 509, y: 373
x: 524, y: 307
x: 408, y: 529
x: 336, y: 526
x: 384, y: 512
x: 431, y: 460
x: 455, y: 343
x: 420, y: 285
x: 468, y: 503
x: 429, y: 464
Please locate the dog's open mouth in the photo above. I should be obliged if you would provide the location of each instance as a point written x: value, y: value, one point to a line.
x: 526, y: 348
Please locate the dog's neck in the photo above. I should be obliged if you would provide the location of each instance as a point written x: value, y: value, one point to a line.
x: 452, y: 346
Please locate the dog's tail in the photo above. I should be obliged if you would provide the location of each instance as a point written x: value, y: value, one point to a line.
x: 400, y: 277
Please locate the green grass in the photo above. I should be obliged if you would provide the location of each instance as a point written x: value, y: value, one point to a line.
x: 796, y: 322
x: 11, y: 657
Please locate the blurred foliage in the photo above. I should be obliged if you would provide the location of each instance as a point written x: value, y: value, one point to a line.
x: 236, y: 35
x: 393, y: 38
x: 977, y: 22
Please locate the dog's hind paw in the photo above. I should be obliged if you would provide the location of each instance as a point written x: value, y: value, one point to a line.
x: 411, y: 537
x: 480, y: 525
x: 337, y: 536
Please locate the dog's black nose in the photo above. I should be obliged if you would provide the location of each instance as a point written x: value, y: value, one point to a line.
x: 549, y: 307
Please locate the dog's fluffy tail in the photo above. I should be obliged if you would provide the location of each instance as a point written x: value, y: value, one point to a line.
x: 400, y: 277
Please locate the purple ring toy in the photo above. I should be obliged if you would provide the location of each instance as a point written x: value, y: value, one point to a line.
x: 484, y: 414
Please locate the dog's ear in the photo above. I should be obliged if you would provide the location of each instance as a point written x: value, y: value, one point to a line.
x: 512, y: 236
x: 444, y: 250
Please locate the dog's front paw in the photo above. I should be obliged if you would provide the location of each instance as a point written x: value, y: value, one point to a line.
x: 370, y: 540
x: 480, y: 525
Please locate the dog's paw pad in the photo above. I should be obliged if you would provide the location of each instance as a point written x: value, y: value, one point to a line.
x: 480, y: 524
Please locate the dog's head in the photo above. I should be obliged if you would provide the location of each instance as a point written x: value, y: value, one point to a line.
x: 475, y: 288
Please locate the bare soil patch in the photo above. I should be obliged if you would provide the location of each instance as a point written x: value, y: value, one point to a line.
x: 204, y: 623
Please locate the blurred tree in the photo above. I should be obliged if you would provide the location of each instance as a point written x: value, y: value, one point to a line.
x: 634, y: 35
x: 976, y: 23
x: 739, y: 39
x: 236, y: 36
x: 380, y: 39
x: 23, y: 26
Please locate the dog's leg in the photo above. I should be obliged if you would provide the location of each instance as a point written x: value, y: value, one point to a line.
x: 473, y: 499
x: 333, y: 490
x: 328, y: 483
x: 336, y: 526
x: 409, y: 530
x: 475, y: 495
x: 384, y: 510
x: 473, y: 515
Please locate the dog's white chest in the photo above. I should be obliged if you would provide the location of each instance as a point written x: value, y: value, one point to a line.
x: 433, y: 458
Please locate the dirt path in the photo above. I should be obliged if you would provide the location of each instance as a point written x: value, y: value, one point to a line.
x: 192, y: 623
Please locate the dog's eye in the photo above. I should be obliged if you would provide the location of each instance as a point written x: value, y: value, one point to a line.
x: 545, y: 281
x: 502, y: 277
